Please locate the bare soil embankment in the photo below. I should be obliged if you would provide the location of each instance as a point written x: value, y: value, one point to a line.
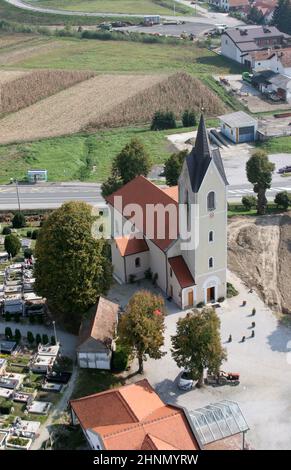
x: 259, y: 252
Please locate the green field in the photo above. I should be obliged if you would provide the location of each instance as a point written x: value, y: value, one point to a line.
x: 277, y: 145
x: 65, y: 157
x: 122, y: 56
x: 11, y: 13
x: 162, y: 7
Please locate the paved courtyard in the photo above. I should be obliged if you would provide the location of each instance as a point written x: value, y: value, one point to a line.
x: 265, y: 389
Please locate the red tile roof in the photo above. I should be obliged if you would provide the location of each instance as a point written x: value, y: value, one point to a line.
x: 130, y: 246
x: 237, y: 3
x: 134, y: 417
x: 181, y: 271
x: 142, y: 192
x: 173, y: 192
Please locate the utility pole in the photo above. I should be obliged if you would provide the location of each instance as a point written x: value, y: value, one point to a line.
x: 17, y: 192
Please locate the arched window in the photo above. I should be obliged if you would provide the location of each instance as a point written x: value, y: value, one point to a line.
x: 137, y: 262
x: 210, y: 262
x: 210, y: 236
x: 211, y: 201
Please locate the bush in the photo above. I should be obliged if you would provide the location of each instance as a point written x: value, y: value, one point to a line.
x: 12, y: 244
x: 249, y: 202
x: 28, y: 233
x: 17, y: 317
x: 148, y: 274
x: 45, y: 339
x: 34, y: 234
x: 200, y: 305
x: 30, y: 337
x: 163, y: 120
x: 155, y: 278
x: 7, y: 316
x: 120, y: 358
x: 189, y: 118
x: 17, y: 336
x: 27, y: 253
x: 231, y: 291
x: 283, y: 200
x: 53, y: 341
x: 6, y: 231
x: 18, y: 220
x: 221, y: 299
x: 132, y: 278
x: 8, y: 332
x: 38, y: 339
x: 5, y: 406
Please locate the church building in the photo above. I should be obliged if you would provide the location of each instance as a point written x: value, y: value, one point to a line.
x: 147, y: 234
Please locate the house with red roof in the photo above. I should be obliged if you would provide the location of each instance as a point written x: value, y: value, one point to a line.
x: 176, y: 234
x: 133, y: 417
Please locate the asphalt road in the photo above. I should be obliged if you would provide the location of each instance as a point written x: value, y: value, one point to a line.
x: 52, y: 195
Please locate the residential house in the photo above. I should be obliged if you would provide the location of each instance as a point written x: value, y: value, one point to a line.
x: 237, y: 43
x: 266, y: 7
x: 229, y: 5
x: 133, y: 417
x: 150, y: 223
x: 96, y: 336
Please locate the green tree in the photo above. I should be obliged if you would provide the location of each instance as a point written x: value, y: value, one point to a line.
x: 163, y: 120
x: 255, y: 15
x: 283, y: 200
x: 38, y: 339
x: 173, y: 167
x: 71, y: 268
x: 30, y: 337
x: 27, y: 253
x: 18, y: 220
x: 197, y: 344
x: 259, y: 173
x: 8, y: 332
x: 141, y: 327
x: 45, y: 339
x: 132, y: 161
x: 17, y: 336
x: 6, y: 231
x: 112, y: 184
x: 249, y: 202
x: 12, y: 244
x: 189, y: 118
x: 282, y: 16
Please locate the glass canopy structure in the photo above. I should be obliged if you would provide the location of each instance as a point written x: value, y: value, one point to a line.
x: 217, y: 421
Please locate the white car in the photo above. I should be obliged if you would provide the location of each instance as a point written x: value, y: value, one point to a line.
x: 185, y: 381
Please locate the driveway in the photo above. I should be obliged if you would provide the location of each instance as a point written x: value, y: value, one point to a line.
x: 265, y: 389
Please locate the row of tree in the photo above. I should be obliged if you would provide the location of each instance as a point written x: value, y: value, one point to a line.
x: 195, y: 346
x: 282, y: 16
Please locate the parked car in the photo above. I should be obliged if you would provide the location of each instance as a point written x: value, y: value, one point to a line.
x: 285, y: 169
x: 185, y: 381
x: 223, y: 378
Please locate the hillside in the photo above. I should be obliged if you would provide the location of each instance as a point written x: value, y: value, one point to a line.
x: 259, y: 252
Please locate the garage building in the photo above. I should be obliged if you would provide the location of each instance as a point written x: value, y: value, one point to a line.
x: 96, y: 336
x: 239, y: 127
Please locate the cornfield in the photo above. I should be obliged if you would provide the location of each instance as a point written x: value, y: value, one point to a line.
x: 175, y: 93
x: 18, y: 92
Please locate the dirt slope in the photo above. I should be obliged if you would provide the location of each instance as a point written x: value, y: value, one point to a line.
x: 259, y: 251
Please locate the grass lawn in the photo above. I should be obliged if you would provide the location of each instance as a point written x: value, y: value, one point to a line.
x: 162, y: 7
x: 237, y: 209
x: 93, y: 381
x: 123, y: 56
x: 64, y: 157
x: 11, y: 13
x: 277, y: 145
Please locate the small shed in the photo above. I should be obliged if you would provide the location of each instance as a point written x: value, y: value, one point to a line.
x: 239, y: 127
x: 96, y: 336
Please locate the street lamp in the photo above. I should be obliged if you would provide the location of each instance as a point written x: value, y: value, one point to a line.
x: 55, y: 331
x: 17, y: 192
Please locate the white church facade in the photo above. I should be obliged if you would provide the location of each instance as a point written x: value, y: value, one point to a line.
x: 187, y: 273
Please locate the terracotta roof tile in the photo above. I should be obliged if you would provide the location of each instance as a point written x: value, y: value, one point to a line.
x: 173, y: 192
x: 134, y: 417
x: 237, y: 3
x: 181, y: 271
x: 129, y: 245
x: 142, y: 192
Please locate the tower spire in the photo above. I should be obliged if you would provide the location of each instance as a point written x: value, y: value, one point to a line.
x: 202, y: 146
